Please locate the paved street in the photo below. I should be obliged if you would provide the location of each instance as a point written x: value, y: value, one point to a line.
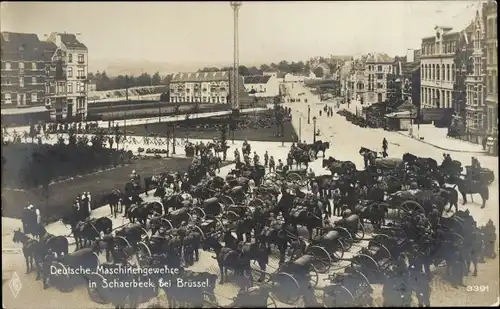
x: 345, y: 140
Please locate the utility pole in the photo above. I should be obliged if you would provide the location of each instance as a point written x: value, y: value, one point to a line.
x: 126, y: 87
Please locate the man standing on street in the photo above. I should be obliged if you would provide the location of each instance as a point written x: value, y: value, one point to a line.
x: 384, y: 147
x: 266, y: 158
x: 484, y: 142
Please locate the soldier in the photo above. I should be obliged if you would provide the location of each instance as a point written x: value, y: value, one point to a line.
x: 384, y: 145
x: 85, y: 205
x: 272, y: 166
x: 280, y: 166
x: 246, y: 159
x: 47, y: 261
x: 255, y: 158
x: 266, y: 158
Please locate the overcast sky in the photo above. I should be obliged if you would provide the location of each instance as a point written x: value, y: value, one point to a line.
x: 269, y: 31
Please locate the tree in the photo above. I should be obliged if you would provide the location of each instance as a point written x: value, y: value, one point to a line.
x: 243, y: 70
x: 156, y: 79
x: 318, y: 72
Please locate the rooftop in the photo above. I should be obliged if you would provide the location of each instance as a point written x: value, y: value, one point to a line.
x: 200, y: 77
x: 257, y: 79
x: 71, y: 42
x: 25, y: 46
x: 379, y: 58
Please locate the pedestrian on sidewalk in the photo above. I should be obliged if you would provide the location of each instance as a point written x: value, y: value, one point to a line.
x: 272, y: 164
x: 266, y: 158
x: 484, y: 141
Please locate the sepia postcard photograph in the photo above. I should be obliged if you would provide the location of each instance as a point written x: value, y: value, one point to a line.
x: 251, y: 154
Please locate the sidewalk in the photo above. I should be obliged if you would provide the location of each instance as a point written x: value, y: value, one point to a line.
x: 436, y: 137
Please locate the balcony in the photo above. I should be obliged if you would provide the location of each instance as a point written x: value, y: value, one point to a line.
x: 81, y: 77
x: 81, y: 62
x: 81, y: 93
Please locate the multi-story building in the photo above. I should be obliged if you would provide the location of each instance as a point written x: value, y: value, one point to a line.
x: 437, y: 74
x: 70, y: 62
x: 377, y: 66
x: 202, y: 87
x: 404, y: 83
x: 491, y: 48
x: 24, y: 58
x: 475, y: 121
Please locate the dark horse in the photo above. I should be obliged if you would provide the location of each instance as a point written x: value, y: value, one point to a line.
x: 35, y: 251
x: 228, y: 258
x: 86, y: 231
x: 258, y: 252
x: 469, y: 186
x: 114, y: 199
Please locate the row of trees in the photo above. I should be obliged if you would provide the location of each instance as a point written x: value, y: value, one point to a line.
x: 105, y: 82
x: 283, y: 67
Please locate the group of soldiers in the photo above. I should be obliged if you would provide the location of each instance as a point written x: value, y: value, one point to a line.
x: 83, y: 204
x: 269, y: 161
x: 328, y: 110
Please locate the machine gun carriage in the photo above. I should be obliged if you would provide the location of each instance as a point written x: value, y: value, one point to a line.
x: 212, y: 207
x: 348, y: 289
x: 296, y: 177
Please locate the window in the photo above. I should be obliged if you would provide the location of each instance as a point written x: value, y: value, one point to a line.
x: 33, y: 80
x: 81, y: 73
x: 70, y: 58
x: 433, y: 72
x: 21, y: 66
x: 442, y: 72
x: 77, y: 86
x: 380, y: 86
x: 82, y: 87
x: 8, y: 98
x: 448, y: 72
x: 453, y: 72
x: 21, y: 81
x: 379, y: 68
x: 81, y: 58
x: 70, y: 72
x: 380, y: 76
x: 34, y: 97
x: 60, y: 88
x: 70, y: 87
x: 34, y: 66
x: 8, y: 66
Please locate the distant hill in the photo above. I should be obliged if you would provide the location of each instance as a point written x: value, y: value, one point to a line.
x: 116, y: 67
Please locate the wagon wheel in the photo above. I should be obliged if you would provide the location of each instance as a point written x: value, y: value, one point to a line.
x: 293, y: 178
x: 143, y: 254
x: 337, y: 252
x: 322, y: 259
x: 271, y: 303
x: 285, y: 289
x: 95, y: 289
x: 122, y: 242
x: 256, y: 202
x: 200, y: 231
x: 257, y: 272
x: 360, y: 231
x: 231, y: 216
x: 345, y: 238
x: 157, y: 208
x: 199, y: 213
x: 226, y: 200
x: 313, y: 277
x: 410, y: 208
x: 381, y: 238
x: 167, y: 224
x: 337, y: 296
x: 365, y: 262
x: 59, y: 277
x: 144, y: 235
x: 219, y: 225
x: 271, y: 176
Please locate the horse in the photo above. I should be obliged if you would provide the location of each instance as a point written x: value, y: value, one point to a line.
x: 320, y: 146
x: 113, y: 200
x: 151, y: 182
x: 228, y: 258
x: 258, y: 252
x: 141, y: 212
x: 30, y: 223
x: 89, y: 230
x: 469, y: 186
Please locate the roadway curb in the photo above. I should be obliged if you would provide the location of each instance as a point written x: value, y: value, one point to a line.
x: 439, y: 147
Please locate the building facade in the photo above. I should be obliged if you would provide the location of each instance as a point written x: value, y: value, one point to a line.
x: 23, y: 70
x: 377, y: 66
x: 491, y: 49
x: 262, y: 86
x: 475, y: 112
x: 69, y: 78
x: 437, y: 69
x: 202, y: 87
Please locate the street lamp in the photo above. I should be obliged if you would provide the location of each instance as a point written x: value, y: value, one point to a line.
x: 314, y: 129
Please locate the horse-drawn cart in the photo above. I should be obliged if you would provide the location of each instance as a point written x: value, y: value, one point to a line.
x: 296, y: 177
